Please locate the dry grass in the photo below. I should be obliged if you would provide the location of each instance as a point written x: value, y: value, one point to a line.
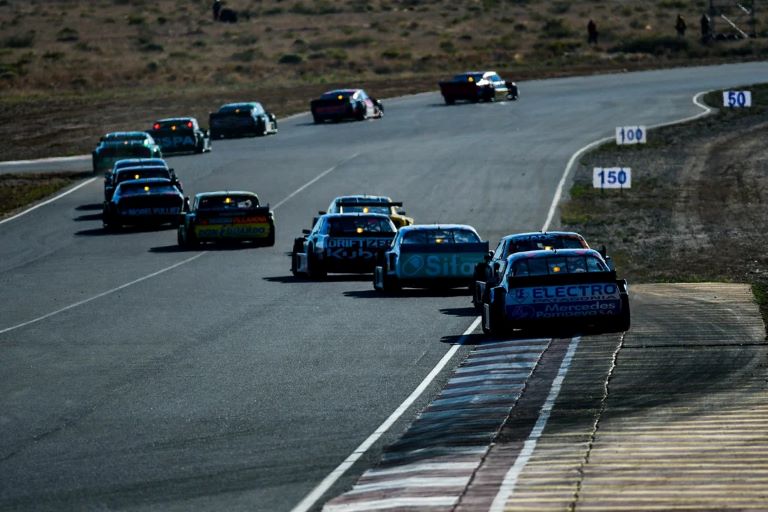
x: 57, y: 58
x: 19, y: 190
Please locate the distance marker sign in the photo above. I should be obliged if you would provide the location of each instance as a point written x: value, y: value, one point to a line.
x: 612, y: 177
x: 630, y: 135
x: 737, y: 99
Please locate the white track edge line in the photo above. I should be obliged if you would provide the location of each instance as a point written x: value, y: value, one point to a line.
x: 317, y: 493
x: 48, y: 201
x: 102, y: 294
x: 161, y: 271
x: 580, y: 152
x: 510, y: 479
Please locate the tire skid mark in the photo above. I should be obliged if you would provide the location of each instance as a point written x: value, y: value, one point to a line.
x: 434, y: 461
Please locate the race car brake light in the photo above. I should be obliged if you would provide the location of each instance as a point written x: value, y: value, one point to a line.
x: 556, y: 269
x: 365, y: 210
x: 156, y: 126
x: 189, y: 124
x: 359, y: 230
x: 136, y: 176
x: 146, y: 188
x: 340, y: 97
x: 470, y: 79
x: 173, y: 127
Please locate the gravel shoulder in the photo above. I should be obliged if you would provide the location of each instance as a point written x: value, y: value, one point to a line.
x: 697, y: 207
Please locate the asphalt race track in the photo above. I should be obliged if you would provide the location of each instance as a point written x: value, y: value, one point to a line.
x: 220, y: 382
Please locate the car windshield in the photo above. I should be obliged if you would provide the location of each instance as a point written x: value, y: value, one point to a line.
x: 125, y: 150
x: 120, y: 164
x: 176, y: 124
x: 336, y: 94
x: 555, y: 264
x: 538, y: 243
x: 441, y: 236
x: 239, y: 107
x: 227, y: 202
x: 465, y: 77
x: 358, y: 225
x: 138, y: 174
x: 364, y: 209
x: 125, y: 136
x: 134, y: 189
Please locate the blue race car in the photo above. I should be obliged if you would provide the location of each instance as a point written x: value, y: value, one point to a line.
x: 557, y: 288
x: 153, y: 201
x: 430, y: 256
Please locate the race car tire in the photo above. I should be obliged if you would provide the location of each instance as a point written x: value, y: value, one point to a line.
x: 362, y: 115
x: 317, y: 119
x: 624, y: 321
x: 271, y: 237
x: 389, y: 284
x: 315, y: 267
x: 264, y: 131
x: 200, y: 148
x: 449, y: 100
x: 492, y: 315
x: 181, y: 239
x: 295, y: 264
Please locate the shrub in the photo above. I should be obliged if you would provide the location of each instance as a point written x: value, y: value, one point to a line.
x: 67, y: 34
x: 20, y: 40
x: 290, y: 58
x: 556, y: 28
x: 134, y: 19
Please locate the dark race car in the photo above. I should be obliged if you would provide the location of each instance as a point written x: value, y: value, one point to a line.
x: 342, y: 243
x: 227, y: 216
x: 152, y: 201
x: 552, y: 290
x: 430, y: 256
x: 362, y: 203
x: 121, y: 145
x: 113, y: 179
x: 345, y: 104
x: 240, y: 120
x: 487, y: 271
x: 477, y: 86
x: 180, y: 135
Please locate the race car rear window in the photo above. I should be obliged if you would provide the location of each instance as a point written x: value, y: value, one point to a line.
x: 232, y: 202
x: 133, y: 189
x: 558, y: 265
x: 336, y: 94
x: 124, y: 136
x: 441, y: 236
x: 542, y: 243
x: 364, y: 209
x: 464, y: 77
x: 126, y: 150
x: 358, y: 225
x: 180, y: 124
x: 235, y: 108
x: 141, y: 174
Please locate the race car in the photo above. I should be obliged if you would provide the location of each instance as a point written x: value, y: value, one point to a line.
x: 568, y: 288
x: 477, y: 86
x: 120, y: 145
x: 114, y: 178
x: 240, y: 120
x: 180, y: 135
x: 342, y: 243
x: 227, y: 216
x: 151, y: 201
x: 345, y: 104
x: 139, y: 162
x: 362, y: 203
x: 434, y: 255
x: 487, y: 271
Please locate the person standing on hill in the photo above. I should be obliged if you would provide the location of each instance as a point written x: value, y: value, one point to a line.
x: 680, y: 26
x: 216, y: 9
x: 706, y: 28
x: 591, y: 32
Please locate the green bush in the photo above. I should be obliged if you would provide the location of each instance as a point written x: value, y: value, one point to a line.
x: 20, y: 40
x: 67, y: 34
x: 290, y: 58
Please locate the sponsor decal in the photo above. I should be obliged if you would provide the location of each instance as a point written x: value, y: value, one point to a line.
x: 355, y: 248
x: 177, y: 140
x: 232, y: 230
x: 151, y: 211
x: 567, y: 301
x: 438, y: 265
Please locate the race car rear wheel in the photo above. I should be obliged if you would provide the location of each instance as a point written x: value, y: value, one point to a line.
x: 315, y: 267
x: 271, y: 237
x: 449, y: 100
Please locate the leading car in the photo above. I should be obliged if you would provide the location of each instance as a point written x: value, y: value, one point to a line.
x: 569, y: 288
x: 430, y: 256
x: 225, y: 217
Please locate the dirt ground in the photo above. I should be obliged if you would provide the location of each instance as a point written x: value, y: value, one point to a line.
x: 697, y: 207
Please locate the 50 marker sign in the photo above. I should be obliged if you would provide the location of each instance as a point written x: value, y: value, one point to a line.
x: 630, y: 135
x: 737, y: 99
x: 612, y: 177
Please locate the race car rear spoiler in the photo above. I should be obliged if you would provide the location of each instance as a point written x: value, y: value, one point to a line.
x: 369, y: 203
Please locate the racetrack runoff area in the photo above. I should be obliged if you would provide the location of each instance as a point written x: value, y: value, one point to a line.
x: 672, y: 415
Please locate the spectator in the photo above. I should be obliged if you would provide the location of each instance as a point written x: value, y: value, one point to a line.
x: 680, y: 26
x: 591, y: 32
x: 216, y: 9
x: 706, y: 28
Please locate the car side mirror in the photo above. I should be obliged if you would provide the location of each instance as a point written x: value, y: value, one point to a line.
x: 305, y: 231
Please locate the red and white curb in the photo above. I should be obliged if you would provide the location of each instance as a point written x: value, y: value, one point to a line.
x: 430, y: 466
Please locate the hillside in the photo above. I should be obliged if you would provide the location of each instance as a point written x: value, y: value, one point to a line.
x: 73, y: 70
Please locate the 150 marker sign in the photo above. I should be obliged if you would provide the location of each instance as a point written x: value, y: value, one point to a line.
x: 612, y: 177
